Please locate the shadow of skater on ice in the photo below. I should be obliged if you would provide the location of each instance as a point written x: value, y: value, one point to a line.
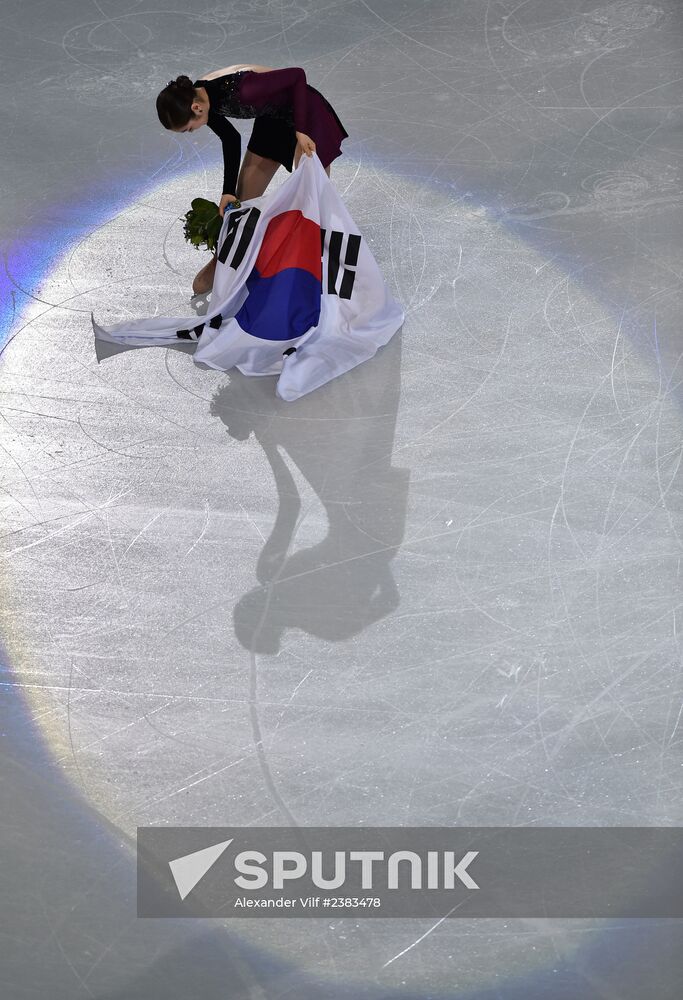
x: 341, y: 440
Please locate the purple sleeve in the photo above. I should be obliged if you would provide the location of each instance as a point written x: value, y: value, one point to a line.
x: 277, y: 86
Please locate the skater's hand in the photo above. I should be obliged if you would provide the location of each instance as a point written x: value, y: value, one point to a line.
x: 306, y: 144
x: 225, y: 200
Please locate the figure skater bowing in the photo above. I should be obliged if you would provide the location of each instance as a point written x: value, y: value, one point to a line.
x: 291, y: 118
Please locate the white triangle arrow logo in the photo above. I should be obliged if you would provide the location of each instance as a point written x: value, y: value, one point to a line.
x: 189, y: 869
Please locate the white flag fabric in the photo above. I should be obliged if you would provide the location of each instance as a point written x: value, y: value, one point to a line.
x: 297, y: 292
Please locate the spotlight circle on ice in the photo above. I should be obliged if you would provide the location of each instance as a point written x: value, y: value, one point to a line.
x: 261, y: 582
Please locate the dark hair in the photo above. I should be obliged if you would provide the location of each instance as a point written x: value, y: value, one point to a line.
x: 174, y: 103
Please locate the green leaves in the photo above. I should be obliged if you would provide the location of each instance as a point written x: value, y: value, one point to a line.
x: 203, y: 224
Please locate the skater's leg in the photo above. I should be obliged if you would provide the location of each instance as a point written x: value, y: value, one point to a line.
x: 255, y: 175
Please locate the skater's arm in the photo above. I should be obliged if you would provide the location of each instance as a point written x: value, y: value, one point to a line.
x: 278, y: 86
x: 231, y: 142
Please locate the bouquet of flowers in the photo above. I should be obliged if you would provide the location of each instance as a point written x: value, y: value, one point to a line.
x: 203, y: 223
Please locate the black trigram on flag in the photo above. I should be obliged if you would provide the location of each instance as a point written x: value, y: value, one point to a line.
x: 235, y: 217
x: 335, y: 286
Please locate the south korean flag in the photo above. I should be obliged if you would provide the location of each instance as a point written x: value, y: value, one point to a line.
x: 297, y: 292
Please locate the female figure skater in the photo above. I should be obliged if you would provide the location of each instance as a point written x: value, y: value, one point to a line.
x: 291, y: 118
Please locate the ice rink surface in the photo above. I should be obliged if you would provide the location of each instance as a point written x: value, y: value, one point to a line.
x: 444, y: 589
